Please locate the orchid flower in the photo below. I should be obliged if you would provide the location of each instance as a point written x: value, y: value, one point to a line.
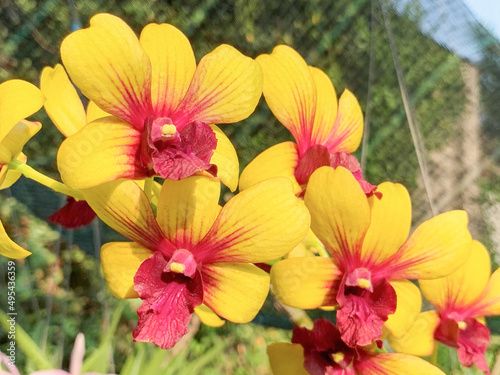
x: 162, y: 104
x: 371, y: 257
x: 321, y: 351
x: 67, y: 112
x: 303, y: 99
x: 18, y: 100
x: 195, y: 253
x: 462, y: 299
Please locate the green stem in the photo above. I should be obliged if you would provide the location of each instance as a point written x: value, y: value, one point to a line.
x: 433, y: 359
x: 148, y: 186
x: 322, y: 252
x: 33, y: 174
x: 156, y: 189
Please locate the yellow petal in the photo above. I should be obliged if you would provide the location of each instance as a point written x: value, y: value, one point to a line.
x: 187, y: 209
x: 226, y: 88
x: 347, y: 131
x: 101, y: 151
x: 398, y: 364
x: 438, y: 247
x: 18, y: 100
x: 208, y: 317
x: 94, y: 112
x: 120, y: 262
x: 390, y: 222
x: 235, y: 291
x: 409, y: 303
x: 15, y: 140
x: 173, y: 65
x: 260, y: 224
x: 63, y: 105
x: 9, y: 176
x: 106, y: 62
x: 309, y: 246
x: 419, y: 339
x: 340, y: 214
x: 277, y: 161
x: 286, y: 359
x: 488, y: 303
x: 290, y: 92
x: 9, y: 248
x: 464, y: 285
x: 226, y: 160
x: 326, y: 106
x: 124, y: 207
x: 306, y: 283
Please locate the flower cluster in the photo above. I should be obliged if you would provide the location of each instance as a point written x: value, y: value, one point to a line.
x: 147, y: 158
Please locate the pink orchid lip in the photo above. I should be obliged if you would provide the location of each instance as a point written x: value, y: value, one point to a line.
x: 176, y: 151
x: 182, y: 262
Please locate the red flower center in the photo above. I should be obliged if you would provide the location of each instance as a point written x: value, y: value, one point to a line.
x: 324, y: 351
x: 318, y: 156
x: 176, y: 152
x: 365, y: 305
x: 182, y: 262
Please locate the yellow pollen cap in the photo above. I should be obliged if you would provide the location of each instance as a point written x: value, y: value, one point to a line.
x: 338, y: 357
x: 364, y: 283
x: 177, y: 267
x: 462, y: 325
x: 168, y: 129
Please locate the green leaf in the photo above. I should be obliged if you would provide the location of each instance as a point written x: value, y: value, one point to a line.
x: 26, y: 344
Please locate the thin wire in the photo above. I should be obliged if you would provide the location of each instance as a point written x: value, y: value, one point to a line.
x: 366, y: 127
x: 415, y: 131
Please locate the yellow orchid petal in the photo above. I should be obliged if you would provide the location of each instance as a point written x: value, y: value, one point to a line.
x: 18, y: 100
x: 208, y: 317
x: 9, y: 248
x: 464, y: 285
x: 347, y: 131
x: 277, y: 161
x: 419, y: 339
x: 235, y: 291
x: 397, y: 364
x: 286, y: 358
x: 226, y: 160
x: 306, y: 283
x: 390, y: 222
x: 438, y: 247
x: 94, y: 112
x: 13, y: 143
x: 326, y: 106
x: 226, y: 88
x: 409, y: 303
x: 124, y: 207
x: 340, y: 214
x: 120, y: 262
x: 187, y: 209
x: 488, y: 303
x: 309, y: 246
x: 101, y: 151
x: 106, y: 62
x: 260, y: 224
x: 8, y: 177
x: 173, y: 65
x: 290, y: 92
x: 63, y: 105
